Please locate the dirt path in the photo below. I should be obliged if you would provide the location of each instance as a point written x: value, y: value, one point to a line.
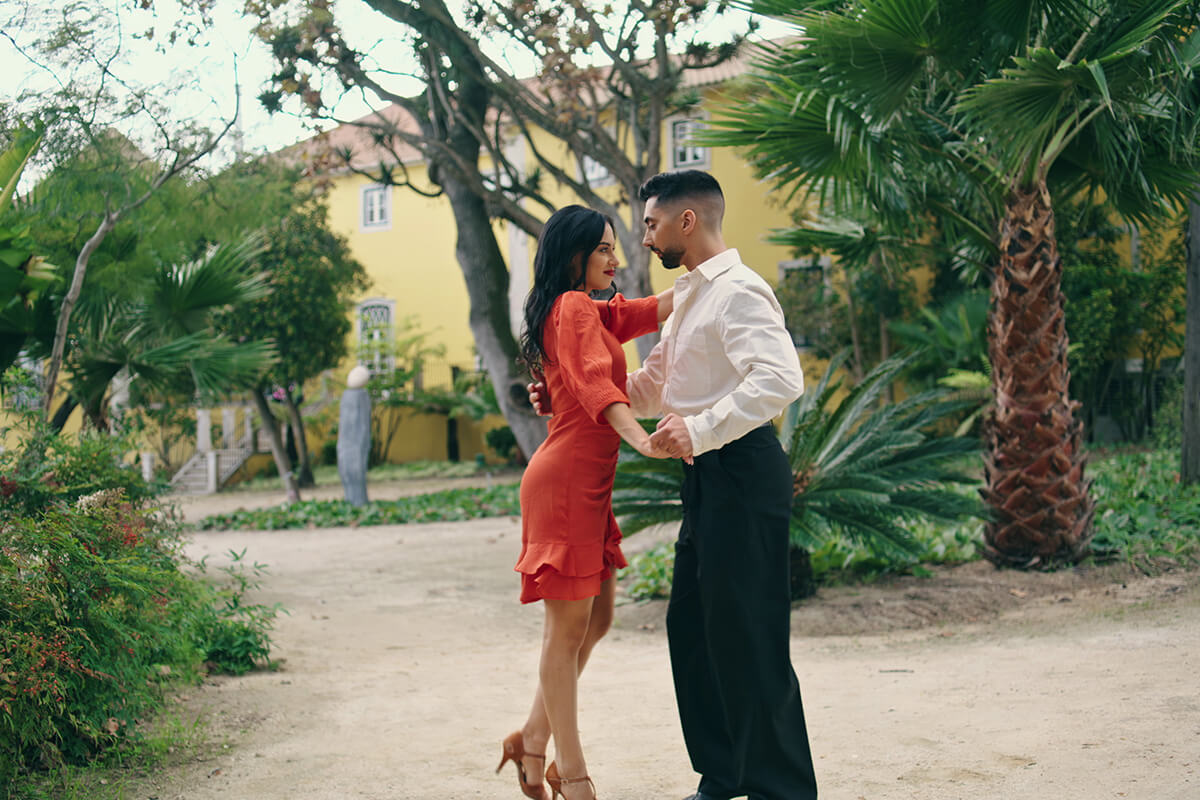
x: 406, y: 658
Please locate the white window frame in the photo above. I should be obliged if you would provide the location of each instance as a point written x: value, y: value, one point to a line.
x: 593, y: 173
x: 375, y: 214
x: 376, y: 335
x: 693, y: 157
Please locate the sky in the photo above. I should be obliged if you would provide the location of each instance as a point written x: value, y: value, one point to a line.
x: 201, y: 77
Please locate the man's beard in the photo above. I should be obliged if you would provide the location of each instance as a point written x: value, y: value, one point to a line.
x: 671, y: 259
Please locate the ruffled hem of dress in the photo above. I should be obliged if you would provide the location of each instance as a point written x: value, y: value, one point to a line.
x: 571, y: 560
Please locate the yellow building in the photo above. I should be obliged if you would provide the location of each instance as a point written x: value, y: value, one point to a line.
x: 406, y: 241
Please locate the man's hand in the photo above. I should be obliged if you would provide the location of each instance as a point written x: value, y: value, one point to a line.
x: 539, y: 398
x: 672, y: 438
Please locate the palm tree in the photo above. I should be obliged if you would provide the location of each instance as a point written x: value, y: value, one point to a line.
x: 888, y: 104
x: 861, y: 467
x: 159, y: 333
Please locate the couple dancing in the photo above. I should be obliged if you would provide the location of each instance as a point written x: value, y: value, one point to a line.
x: 725, y: 367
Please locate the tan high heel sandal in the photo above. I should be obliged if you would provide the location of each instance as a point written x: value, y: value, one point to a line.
x: 514, y: 750
x: 556, y: 783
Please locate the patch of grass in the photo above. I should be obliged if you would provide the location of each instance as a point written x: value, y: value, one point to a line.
x: 444, y: 506
x: 167, y: 740
x: 327, y: 474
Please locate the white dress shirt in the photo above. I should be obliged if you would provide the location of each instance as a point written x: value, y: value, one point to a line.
x: 725, y: 362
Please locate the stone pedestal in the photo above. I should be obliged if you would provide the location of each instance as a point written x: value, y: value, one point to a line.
x: 354, y: 437
x: 211, y: 482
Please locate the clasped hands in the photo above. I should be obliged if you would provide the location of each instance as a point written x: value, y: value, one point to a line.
x: 671, y: 438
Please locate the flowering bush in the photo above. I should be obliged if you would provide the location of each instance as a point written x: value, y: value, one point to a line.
x: 98, y: 608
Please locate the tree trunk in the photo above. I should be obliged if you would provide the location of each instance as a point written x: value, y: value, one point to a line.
x: 68, y: 304
x: 452, y: 450
x: 858, y: 362
x: 1189, y: 472
x: 635, y: 278
x: 281, y: 460
x: 486, y: 276
x: 69, y: 404
x: 305, y: 478
x: 1034, y: 464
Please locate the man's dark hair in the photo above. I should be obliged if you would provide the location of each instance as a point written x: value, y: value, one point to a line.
x: 689, y: 183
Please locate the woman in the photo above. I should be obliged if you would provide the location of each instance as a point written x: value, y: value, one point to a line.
x: 570, y: 540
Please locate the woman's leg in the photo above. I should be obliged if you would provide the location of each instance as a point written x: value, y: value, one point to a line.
x: 566, y: 628
x: 536, y: 732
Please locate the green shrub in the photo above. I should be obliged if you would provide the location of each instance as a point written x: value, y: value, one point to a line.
x: 503, y: 443
x: 98, y: 609
x: 329, y: 449
x: 1143, y: 513
x: 236, y: 635
x: 50, y: 468
x: 649, y: 573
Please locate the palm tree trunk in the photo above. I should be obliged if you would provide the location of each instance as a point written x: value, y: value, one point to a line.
x: 1034, y: 465
x: 282, y: 464
x: 1189, y: 472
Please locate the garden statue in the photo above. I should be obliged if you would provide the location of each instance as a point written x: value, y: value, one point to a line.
x: 354, y: 436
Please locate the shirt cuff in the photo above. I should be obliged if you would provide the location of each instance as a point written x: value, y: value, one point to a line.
x: 692, y: 425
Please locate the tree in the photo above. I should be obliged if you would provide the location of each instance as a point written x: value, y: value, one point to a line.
x: 97, y: 115
x: 1190, y: 457
x: 470, y: 103
x: 889, y: 102
x: 159, y: 332
x: 313, y: 281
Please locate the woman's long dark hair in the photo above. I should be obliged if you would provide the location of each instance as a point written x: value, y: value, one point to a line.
x: 567, y: 240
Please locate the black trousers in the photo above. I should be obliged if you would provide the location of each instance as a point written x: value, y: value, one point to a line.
x: 728, y: 624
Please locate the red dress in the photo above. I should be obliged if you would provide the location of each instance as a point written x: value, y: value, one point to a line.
x: 570, y: 541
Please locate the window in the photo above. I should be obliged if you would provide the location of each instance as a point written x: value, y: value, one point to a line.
x: 376, y: 207
x: 806, y: 293
x: 683, y: 154
x: 375, y: 334
x: 594, y: 173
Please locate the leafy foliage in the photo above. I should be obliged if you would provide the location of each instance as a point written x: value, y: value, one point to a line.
x: 99, y: 611
x: 1117, y: 309
x: 444, y: 506
x: 158, y: 330
x: 861, y: 467
x: 313, y: 281
x: 951, y: 336
x: 1145, y: 516
x: 649, y: 573
x: 24, y: 274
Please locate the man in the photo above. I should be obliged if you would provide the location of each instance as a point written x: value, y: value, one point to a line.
x: 724, y: 368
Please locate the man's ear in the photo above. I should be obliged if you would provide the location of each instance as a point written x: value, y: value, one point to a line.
x: 688, y: 222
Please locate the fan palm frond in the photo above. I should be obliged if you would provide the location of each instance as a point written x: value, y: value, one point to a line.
x: 185, y: 295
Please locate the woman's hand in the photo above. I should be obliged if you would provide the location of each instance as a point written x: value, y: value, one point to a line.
x: 648, y: 449
x: 539, y: 398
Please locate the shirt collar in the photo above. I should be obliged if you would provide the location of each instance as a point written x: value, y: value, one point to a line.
x: 719, y: 263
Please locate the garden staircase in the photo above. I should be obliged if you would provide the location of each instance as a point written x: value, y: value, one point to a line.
x: 197, y: 477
